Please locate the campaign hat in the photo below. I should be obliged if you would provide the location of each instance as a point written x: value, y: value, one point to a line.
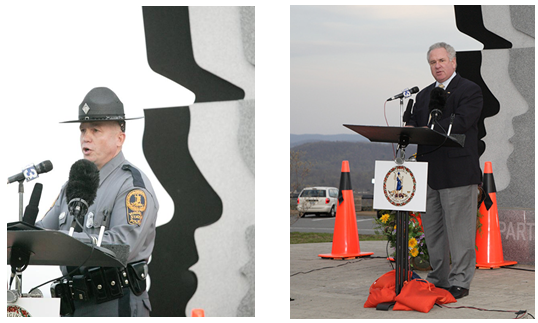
x: 100, y: 104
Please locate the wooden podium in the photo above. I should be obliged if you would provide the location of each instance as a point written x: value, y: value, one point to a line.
x: 400, y: 199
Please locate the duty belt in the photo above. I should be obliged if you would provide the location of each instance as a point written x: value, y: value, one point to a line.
x: 102, y: 284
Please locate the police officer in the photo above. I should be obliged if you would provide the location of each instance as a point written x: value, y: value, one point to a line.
x: 126, y: 204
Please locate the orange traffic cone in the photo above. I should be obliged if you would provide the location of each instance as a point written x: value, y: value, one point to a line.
x: 197, y: 312
x: 489, y: 252
x: 345, y: 235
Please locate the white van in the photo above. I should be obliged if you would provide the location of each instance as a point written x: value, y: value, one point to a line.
x: 318, y: 200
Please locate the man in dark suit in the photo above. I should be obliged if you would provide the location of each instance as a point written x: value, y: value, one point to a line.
x: 453, y: 174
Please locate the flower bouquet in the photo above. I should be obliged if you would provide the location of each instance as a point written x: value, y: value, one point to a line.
x: 418, y: 251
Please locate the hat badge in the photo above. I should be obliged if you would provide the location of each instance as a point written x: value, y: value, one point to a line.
x: 85, y: 108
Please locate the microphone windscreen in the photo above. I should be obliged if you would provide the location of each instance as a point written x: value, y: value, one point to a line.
x: 407, y: 114
x: 437, y: 99
x: 31, y: 211
x: 83, y: 181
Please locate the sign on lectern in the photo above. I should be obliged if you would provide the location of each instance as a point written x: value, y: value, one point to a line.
x: 400, y: 187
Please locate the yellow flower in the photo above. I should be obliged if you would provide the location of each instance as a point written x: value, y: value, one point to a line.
x: 414, y: 252
x: 385, y: 218
x: 412, y: 243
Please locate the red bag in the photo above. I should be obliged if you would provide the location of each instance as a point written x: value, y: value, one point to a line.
x: 382, y: 290
x: 378, y: 296
x: 420, y: 295
x: 387, y: 280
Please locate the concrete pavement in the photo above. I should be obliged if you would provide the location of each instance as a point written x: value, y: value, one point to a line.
x: 323, y: 288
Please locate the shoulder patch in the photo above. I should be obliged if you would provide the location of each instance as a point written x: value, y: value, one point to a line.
x: 137, y: 176
x: 135, y: 204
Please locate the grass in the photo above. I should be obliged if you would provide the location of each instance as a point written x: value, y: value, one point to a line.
x: 308, y: 237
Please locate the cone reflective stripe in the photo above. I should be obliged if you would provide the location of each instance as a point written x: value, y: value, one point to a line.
x: 345, y: 235
x: 489, y: 249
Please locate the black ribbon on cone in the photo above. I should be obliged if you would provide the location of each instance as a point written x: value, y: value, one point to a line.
x: 489, y: 187
x: 345, y: 184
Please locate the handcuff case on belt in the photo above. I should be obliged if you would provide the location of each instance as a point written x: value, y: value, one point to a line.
x: 137, y: 272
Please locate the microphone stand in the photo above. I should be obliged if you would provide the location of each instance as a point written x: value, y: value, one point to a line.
x: 404, y: 141
x: 21, y: 201
x: 401, y: 112
x: 400, y: 152
x: 402, y: 219
x: 16, y: 270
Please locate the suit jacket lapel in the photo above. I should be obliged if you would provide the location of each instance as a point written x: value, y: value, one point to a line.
x: 453, y: 85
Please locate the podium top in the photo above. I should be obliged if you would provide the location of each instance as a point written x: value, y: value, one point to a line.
x: 21, y: 226
x: 421, y: 136
x: 57, y: 248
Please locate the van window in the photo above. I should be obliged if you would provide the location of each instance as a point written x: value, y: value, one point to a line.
x: 333, y: 193
x: 313, y: 193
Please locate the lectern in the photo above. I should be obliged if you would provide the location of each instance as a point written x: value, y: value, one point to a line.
x: 29, y: 245
x: 408, y: 135
x: 47, y: 247
x: 397, y: 197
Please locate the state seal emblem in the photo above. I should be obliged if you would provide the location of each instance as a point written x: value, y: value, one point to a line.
x: 135, y: 203
x: 399, y: 185
x: 17, y: 311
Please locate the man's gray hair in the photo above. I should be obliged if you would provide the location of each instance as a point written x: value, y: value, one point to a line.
x: 449, y: 49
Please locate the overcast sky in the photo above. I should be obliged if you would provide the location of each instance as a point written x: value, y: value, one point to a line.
x: 346, y: 61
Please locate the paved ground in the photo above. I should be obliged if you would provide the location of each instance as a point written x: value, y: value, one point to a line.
x: 323, y: 288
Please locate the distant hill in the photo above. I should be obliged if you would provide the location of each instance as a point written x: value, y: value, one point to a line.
x: 296, y: 140
x: 326, y: 158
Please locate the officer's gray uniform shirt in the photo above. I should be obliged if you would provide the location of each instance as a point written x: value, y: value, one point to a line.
x: 128, y: 209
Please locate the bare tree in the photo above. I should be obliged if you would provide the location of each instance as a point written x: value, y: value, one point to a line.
x: 299, y: 169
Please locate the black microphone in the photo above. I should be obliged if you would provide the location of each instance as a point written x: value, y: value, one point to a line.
x: 405, y: 93
x: 30, y: 213
x: 31, y: 172
x: 407, y: 113
x: 437, y: 103
x: 81, y: 190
